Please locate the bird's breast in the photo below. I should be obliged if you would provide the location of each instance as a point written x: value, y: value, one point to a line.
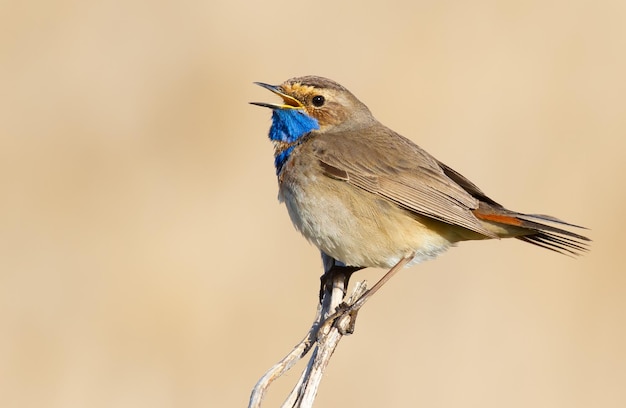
x: 350, y: 224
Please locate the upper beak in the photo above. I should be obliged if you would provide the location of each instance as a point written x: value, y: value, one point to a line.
x: 289, y: 101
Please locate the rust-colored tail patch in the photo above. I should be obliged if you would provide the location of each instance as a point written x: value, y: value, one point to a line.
x: 536, y: 229
x: 499, y: 218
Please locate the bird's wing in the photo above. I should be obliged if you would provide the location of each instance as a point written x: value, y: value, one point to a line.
x: 384, y: 163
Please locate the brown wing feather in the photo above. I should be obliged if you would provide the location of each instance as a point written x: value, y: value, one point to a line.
x: 467, y: 185
x: 391, y: 166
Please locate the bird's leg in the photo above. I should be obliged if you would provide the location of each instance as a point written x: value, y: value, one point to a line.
x: 353, y: 309
x: 333, y: 267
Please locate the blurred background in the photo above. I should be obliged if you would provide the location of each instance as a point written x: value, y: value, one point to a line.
x: 145, y: 260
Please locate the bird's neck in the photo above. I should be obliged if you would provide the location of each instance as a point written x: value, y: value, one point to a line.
x: 288, y: 127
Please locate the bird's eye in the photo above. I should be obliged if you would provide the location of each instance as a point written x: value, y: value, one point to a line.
x: 318, y: 100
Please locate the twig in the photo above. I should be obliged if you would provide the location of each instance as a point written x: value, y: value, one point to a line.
x: 280, y: 368
x: 335, y: 318
x: 324, y: 334
x: 328, y: 339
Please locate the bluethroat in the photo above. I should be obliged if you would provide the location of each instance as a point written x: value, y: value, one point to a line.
x: 369, y: 197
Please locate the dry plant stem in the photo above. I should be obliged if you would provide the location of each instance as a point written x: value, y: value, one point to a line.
x: 335, y: 318
x: 280, y: 368
x: 332, y: 296
x: 328, y: 340
x: 361, y: 300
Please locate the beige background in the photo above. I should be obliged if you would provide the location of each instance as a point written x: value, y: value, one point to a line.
x: 145, y: 260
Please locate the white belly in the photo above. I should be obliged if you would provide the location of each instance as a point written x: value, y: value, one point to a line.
x: 358, y: 228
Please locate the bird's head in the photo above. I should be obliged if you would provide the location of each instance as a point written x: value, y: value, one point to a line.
x: 310, y: 104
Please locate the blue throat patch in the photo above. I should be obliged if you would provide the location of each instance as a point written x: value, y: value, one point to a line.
x: 281, y: 158
x: 289, y: 125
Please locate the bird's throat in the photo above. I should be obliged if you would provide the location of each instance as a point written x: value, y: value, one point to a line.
x: 288, y: 125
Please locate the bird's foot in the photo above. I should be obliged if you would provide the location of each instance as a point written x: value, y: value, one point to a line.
x: 344, y: 318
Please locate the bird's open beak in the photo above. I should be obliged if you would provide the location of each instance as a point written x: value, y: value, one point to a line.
x: 289, y: 102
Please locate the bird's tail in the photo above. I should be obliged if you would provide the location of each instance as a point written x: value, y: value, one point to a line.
x: 541, y: 230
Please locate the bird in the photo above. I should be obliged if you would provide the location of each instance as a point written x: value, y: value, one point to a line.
x: 368, y: 197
